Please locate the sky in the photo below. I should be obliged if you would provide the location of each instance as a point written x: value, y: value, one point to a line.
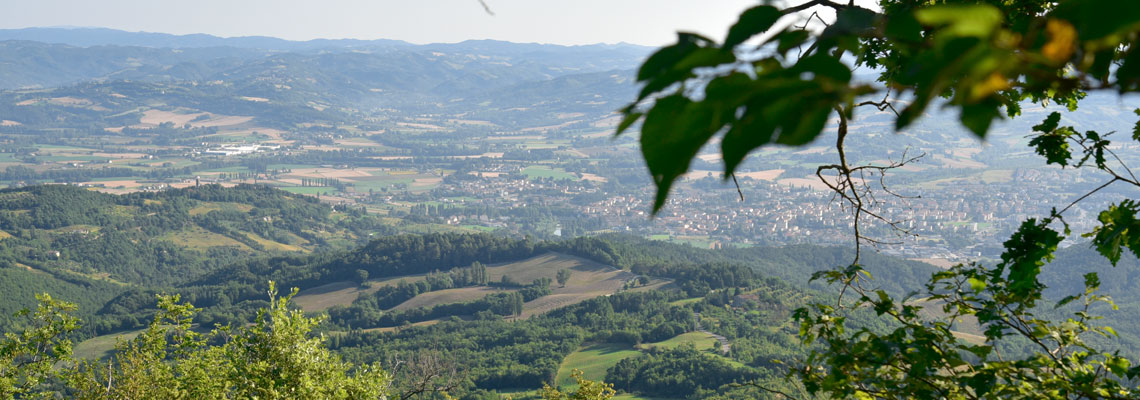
x: 645, y: 22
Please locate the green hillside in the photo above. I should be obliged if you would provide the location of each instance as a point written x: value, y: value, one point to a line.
x: 89, y: 247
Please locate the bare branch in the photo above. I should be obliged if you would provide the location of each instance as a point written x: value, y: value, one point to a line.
x: 425, y: 372
x: 1079, y: 199
x: 882, y: 105
x: 738, y: 191
x: 486, y: 7
x: 813, y: 3
x: 850, y: 186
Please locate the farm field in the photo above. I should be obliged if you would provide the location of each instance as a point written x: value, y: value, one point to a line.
x: 201, y: 239
x: 966, y: 328
x: 101, y: 346
x: 587, y: 280
x: 342, y: 293
x: 593, y: 360
x: 458, y: 295
x: 702, y: 341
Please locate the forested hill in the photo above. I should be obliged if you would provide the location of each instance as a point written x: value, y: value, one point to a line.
x: 635, y: 300
x: 794, y: 263
x: 404, y: 255
x: 231, y: 290
x: 87, y: 246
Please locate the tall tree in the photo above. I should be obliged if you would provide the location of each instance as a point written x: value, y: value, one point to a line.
x: 782, y: 74
x: 563, y: 276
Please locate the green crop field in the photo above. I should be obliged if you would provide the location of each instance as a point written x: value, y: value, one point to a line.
x: 101, y: 346
x: 702, y: 341
x: 593, y: 360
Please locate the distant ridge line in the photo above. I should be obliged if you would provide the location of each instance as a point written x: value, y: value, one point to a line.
x: 94, y: 36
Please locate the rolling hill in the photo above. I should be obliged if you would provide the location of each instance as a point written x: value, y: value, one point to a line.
x: 88, y: 247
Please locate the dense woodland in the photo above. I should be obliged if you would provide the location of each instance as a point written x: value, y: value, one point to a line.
x: 114, y: 238
x: 92, y: 246
x: 746, y: 295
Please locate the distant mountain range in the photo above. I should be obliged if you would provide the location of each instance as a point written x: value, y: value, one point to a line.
x: 330, y: 71
x: 86, y: 37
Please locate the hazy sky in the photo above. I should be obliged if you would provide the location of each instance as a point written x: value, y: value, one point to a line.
x: 648, y: 22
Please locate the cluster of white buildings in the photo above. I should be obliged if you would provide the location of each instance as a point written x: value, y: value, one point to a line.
x: 234, y: 150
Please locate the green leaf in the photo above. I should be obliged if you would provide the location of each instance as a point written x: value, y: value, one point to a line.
x: 806, y: 126
x: 788, y: 40
x: 1049, y: 124
x: 910, y: 113
x: 1119, y: 228
x: 980, y: 20
x: 903, y: 27
x: 730, y: 90
x: 753, y: 21
x: 978, y: 117
x: 630, y: 118
x: 1098, y: 19
x: 1064, y: 301
x: 683, y: 68
x: 1025, y: 252
x: 663, y: 60
x: 752, y: 130
x: 851, y: 21
x: 1118, y: 365
x: 977, y: 285
x: 674, y: 131
x: 884, y: 303
x: 824, y: 66
x: 1136, y: 128
x: 1053, y: 146
x: 789, y: 107
x: 675, y: 63
x: 1128, y: 75
x: 1092, y: 282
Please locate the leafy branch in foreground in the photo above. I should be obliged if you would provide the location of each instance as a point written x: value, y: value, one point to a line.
x: 781, y: 76
x: 275, y: 358
x: 27, y: 359
x: 587, y: 390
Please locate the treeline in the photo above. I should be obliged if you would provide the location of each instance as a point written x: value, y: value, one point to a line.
x: 698, y: 279
x: 390, y: 296
x: 794, y: 263
x: 681, y: 372
x: 20, y: 173
x: 491, y: 306
x: 372, y: 311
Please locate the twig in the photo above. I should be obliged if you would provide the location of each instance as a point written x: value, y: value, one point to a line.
x: 733, y: 175
x: 486, y: 8
x: 1086, y: 195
